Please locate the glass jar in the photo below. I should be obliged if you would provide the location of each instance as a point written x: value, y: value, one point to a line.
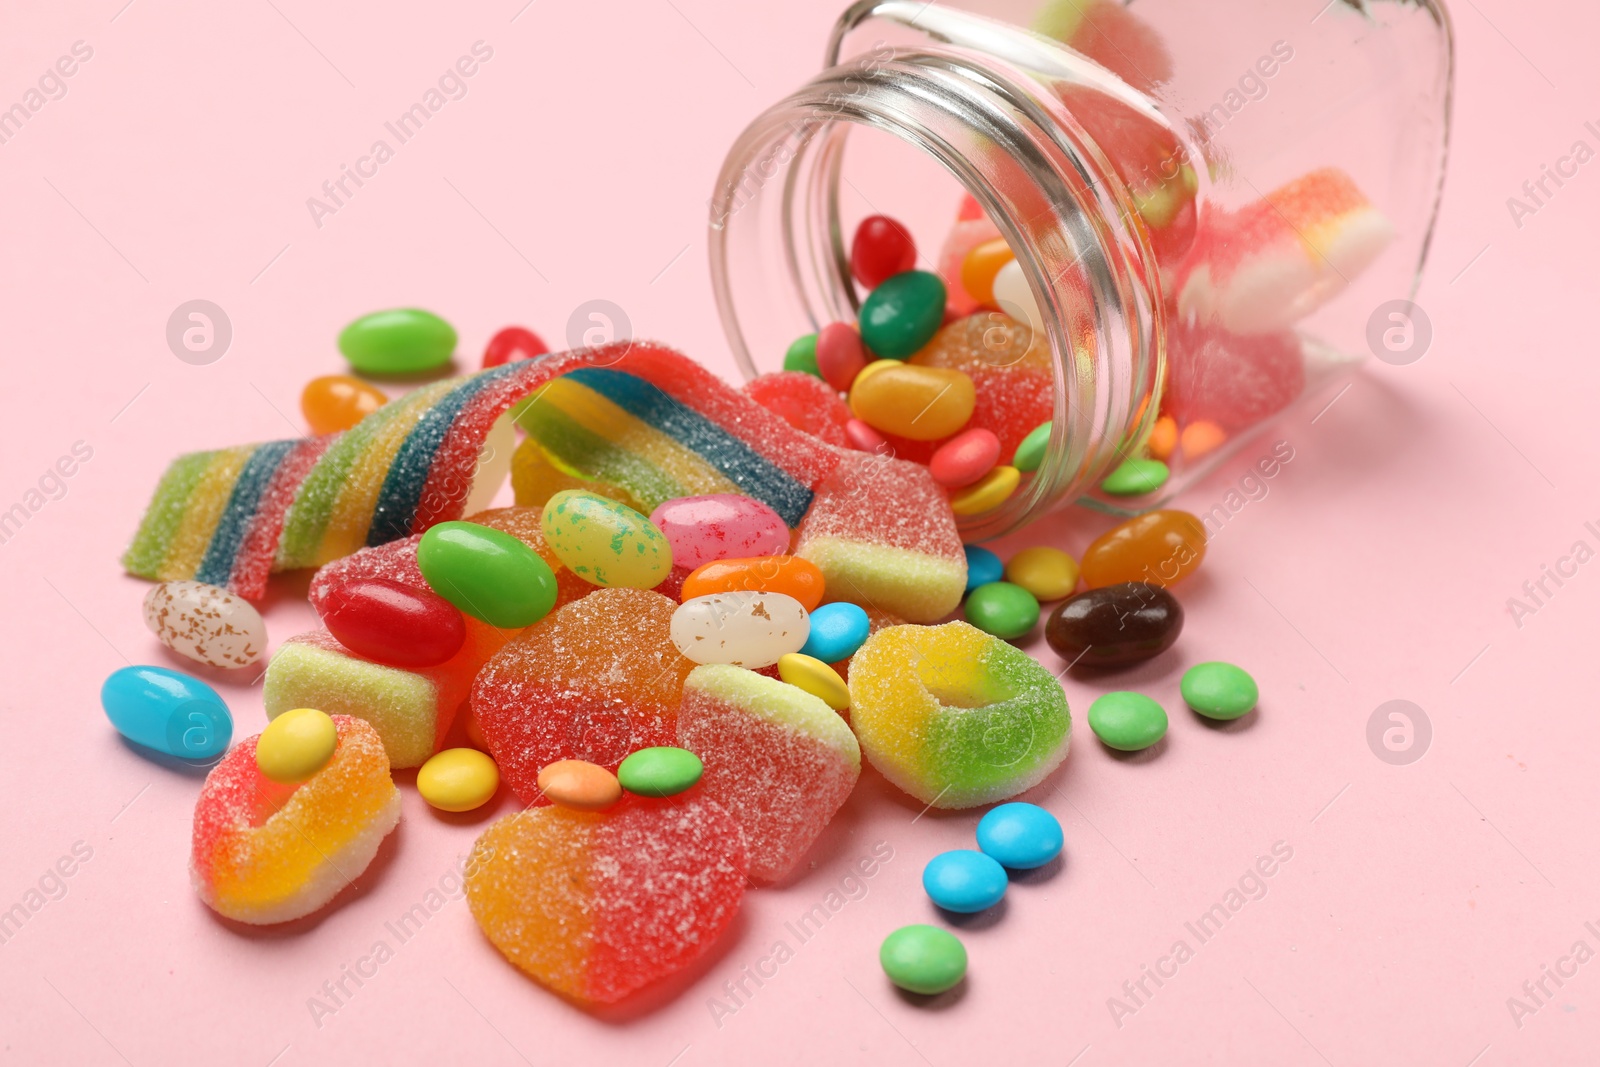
x: 1209, y: 204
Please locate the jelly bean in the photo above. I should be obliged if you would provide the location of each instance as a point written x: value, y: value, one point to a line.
x: 981, y: 265
x: 881, y: 249
x: 1030, y: 453
x: 580, y: 785
x: 1115, y: 625
x: 815, y: 677
x: 802, y: 355
x: 1160, y: 547
x: 921, y: 403
x: 400, y: 341
x: 1020, y: 836
x: 1219, y: 690
x: 1127, y: 722
x: 840, y: 356
x: 789, y: 575
x: 965, y: 458
x: 489, y: 575
x: 745, y: 629
x: 1201, y: 437
x: 1002, y: 609
x: 1014, y: 296
x: 1048, y: 573
x: 836, y: 631
x: 204, y: 623
x: 902, y: 314
x: 336, y: 402
x: 511, y: 343
x: 923, y: 959
x: 458, y: 779
x: 168, y: 711
x: 964, y: 881
x: 604, y: 542
x: 865, y: 438
x: 660, y: 772
x: 719, y: 526
x: 296, y: 745
x: 987, y: 493
x: 1163, y: 438
x: 394, y: 623
x: 1135, y: 477
x: 983, y: 567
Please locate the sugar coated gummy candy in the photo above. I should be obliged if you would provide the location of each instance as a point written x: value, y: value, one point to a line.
x: 777, y: 758
x: 1229, y: 380
x: 955, y: 717
x: 167, y: 711
x: 790, y: 575
x: 595, y: 905
x: 205, y: 624
x: 1115, y: 625
x: 535, y: 478
x: 805, y: 402
x: 605, y: 542
x: 264, y: 852
x: 746, y: 629
x: 1011, y: 374
x: 336, y: 402
x: 401, y: 341
x: 702, y: 529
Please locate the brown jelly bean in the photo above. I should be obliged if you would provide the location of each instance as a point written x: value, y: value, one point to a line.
x: 1115, y: 625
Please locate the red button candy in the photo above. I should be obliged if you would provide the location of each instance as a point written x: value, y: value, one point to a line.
x: 394, y: 623
x: 965, y: 458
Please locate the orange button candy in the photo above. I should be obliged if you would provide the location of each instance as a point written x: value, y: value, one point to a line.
x: 580, y: 785
x: 337, y: 402
x: 1161, y: 547
x: 790, y: 575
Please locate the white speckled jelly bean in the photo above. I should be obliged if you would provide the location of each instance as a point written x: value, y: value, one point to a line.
x: 745, y: 628
x: 206, y: 624
x: 720, y: 526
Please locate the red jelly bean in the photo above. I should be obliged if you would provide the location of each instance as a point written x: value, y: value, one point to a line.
x: 840, y: 355
x: 511, y: 343
x: 965, y: 458
x: 881, y: 249
x: 394, y: 623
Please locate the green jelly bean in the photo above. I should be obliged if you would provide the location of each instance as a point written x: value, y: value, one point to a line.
x: 1127, y: 721
x: 1136, y: 477
x: 487, y: 574
x: 660, y: 772
x: 923, y: 959
x: 399, y: 341
x: 902, y: 314
x: 802, y: 355
x: 1219, y: 690
x: 1002, y: 609
x: 1030, y: 453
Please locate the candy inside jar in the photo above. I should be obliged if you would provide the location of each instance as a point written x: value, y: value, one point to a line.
x: 1082, y: 251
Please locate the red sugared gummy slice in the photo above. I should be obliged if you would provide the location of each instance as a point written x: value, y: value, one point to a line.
x: 1231, y: 380
x: 805, y: 402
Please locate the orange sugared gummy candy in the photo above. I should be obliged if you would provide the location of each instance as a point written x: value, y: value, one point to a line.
x: 337, y: 402
x: 1160, y: 547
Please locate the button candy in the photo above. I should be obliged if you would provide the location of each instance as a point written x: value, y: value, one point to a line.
x: 488, y: 574
x: 745, y: 629
x: 663, y: 771
x: 881, y: 249
x: 296, y: 745
x: 789, y: 575
x: 964, y: 881
x: 1135, y: 477
x: 1127, y: 722
x: 1219, y: 690
x: 1200, y: 437
x: 168, y: 711
x: 512, y: 343
x: 840, y: 356
x: 983, y: 567
x: 1115, y: 625
x: 1159, y: 547
x: 1020, y: 836
x: 393, y: 623
x: 1163, y: 438
x: 400, y: 341
x: 1008, y: 611
x: 802, y: 355
x: 337, y: 402
x: 987, y: 493
x: 815, y: 677
x: 902, y: 314
x: 458, y: 779
x: 1030, y: 453
x: 923, y: 959
x: 965, y: 458
x: 920, y: 403
x: 605, y: 542
x: 720, y: 526
x: 204, y: 623
x: 579, y: 785
x: 837, y: 630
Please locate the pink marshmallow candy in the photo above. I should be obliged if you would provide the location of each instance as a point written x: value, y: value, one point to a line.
x: 701, y: 529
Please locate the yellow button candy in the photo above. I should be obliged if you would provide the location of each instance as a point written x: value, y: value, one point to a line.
x: 458, y: 779
x: 921, y: 403
x: 1048, y: 573
x: 816, y: 678
x: 296, y: 745
x: 988, y: 493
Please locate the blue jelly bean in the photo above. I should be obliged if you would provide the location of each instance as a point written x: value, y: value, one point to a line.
x: 837, y: 630
x: 983, y: 567
x: 1020, y: 836
x: 964, y: 881
x: 168, y: 711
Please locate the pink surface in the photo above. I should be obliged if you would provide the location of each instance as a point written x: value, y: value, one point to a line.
x: 1378, y: 566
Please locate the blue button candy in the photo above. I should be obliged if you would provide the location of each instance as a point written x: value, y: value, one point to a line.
x: 964, y: 881
x: 983, y: 567
x: 837, y: 630
x: 1020, y: 836
x: 168, y: 711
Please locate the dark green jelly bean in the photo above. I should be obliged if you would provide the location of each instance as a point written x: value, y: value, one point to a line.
x: 902, y: 314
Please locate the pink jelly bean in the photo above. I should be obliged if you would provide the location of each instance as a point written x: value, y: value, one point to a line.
x: 965, y: 458
x: 394, y: 623
x: 865, y: 438
x: 701, y: 529
x: 840, y: 355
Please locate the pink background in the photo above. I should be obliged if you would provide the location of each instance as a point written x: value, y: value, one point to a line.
x: 1418, y: 899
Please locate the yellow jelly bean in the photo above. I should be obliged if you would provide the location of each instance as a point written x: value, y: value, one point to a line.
x: 1048, y: 573
x: 988, y: 493
x: 921, y: 403
x: 296, y: 745
x: 458, y: 779
x: 815, y: 677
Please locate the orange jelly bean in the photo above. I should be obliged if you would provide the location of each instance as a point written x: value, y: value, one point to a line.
x: 1161, y: 547
x: 981, y: 265
x: 1163, y: 438
x: 580, y: 785
x: 1202, y: 437
x: 337, y: 402
x: 790, y: 575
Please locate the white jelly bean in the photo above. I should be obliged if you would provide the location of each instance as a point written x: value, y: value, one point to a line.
x: 745, y: 628
x: 1012, y: 294
x: 205, y: 623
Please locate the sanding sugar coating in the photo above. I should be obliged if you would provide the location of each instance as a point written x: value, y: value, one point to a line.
x: 595, y: 905
x: 955, y: 717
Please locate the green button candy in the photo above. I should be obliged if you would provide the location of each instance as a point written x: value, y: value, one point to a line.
x: 1030, y: 453
x: 902, y: 314
x: 487, y: 574
x: 660, y: 772
x: 400, y: 341
x: 1127, y: 722
x: 1002, y: 609
x: 802, y: 355
x: 1219, y: 690
x: 1136, y: 477
x: 923, y: 959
